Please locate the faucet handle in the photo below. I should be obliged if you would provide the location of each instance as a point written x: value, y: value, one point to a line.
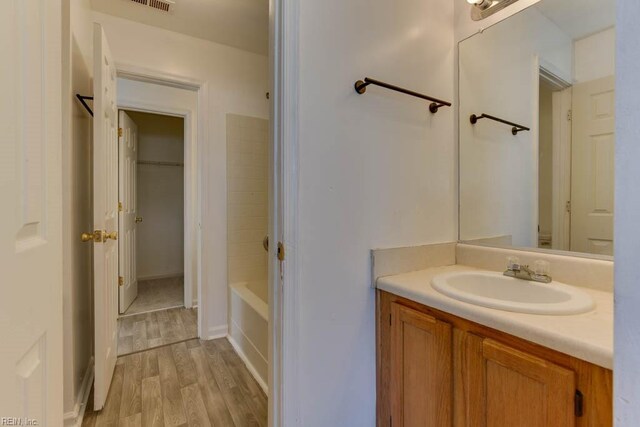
x: 513, y: 263
x: 541, y: 268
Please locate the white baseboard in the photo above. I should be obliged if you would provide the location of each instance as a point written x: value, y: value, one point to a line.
x: 250, y: 367
x: 216, y: 332
x: 160, y: 276
x: 74, y: 417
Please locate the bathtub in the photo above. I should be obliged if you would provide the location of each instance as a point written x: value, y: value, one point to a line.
x: 248, y: 327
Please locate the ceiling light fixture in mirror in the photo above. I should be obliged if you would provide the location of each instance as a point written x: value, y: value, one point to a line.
x: 481, y: 9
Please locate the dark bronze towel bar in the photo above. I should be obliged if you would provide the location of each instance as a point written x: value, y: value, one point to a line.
x: 514, y: 130
x: 361, y: 87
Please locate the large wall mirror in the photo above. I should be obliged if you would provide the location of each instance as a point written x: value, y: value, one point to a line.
x: 537, y: 129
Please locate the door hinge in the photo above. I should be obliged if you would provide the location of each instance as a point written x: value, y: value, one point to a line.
x: 119, y: 132
x: 281, y: 251
x: 120, y: 281
x: 569, y: 115
x: 578, y: 404
x: 568, y: 206
x: 390, y: 421
x: 120, y: 208
x: 390, y: 319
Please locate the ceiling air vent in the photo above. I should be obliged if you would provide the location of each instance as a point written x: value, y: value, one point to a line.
x: 163, y: 5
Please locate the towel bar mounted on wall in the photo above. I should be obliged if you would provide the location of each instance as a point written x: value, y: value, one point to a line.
x: 514, y: 130
x: 82, y: 99
x: 361, y: 87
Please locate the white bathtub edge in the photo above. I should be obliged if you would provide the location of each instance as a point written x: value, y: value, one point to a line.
x: 261, y: 307
x: 250, y: 367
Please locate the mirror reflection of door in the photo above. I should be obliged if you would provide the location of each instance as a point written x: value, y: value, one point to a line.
x: 576, y: 159
x: 592, y: 166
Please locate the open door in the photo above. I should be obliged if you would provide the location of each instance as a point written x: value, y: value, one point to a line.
x: 128, y: 135
x: 592, y: 166
x: 105, y: 216
x: 31, y: 215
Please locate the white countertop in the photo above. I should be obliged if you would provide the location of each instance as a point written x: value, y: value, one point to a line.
x: 587, y: 336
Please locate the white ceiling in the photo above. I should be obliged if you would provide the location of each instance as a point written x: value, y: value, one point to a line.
x: 243, y: 24
x: 580, y: 18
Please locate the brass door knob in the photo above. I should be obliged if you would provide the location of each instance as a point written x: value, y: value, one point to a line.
x: 138, y: 219
x: 86, y: 237
x: 96, y: 237
x: 113, y: 235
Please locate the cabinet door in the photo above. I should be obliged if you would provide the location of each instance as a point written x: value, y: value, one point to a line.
x: 510, y: 388
x: 421, y: 378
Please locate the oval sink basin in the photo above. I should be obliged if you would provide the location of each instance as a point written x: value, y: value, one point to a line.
x: 494, y: 290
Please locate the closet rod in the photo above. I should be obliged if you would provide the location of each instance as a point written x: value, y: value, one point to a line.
x: 361, y: 87
x: 514, y: 130
x: 154, y: 163
x: 82, y: 98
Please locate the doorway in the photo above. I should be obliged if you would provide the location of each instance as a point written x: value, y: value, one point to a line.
x: 575, y: 164
x: 153, y: 310
x: 152, y: 212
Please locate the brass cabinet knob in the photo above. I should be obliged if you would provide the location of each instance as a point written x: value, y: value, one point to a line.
x: 113, y: 235
x: 138, y: 219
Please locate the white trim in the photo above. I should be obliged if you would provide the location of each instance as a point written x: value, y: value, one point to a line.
x: 161, y: 276
x: 74, y: 418
x: 123, y: 315
x: 283, y: 208
x: 142, y: 74
x: 193, y: 174
x: 252, y: 370
x: 216, y: 332
x: 561, y: 224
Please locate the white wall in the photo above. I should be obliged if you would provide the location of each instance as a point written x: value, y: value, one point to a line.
x: 247, y: 198
x: 499, y: 171
x: 160, y: 193
x: 236, y: 82
x: 77, y: 204
x: 595, y: 56
x: 376, y: 170
x: 627, y: 232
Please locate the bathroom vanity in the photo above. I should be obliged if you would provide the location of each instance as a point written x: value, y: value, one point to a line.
x: 442, y: 361
x: 459, y: 343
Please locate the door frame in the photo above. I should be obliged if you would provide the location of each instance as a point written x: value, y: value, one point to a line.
x: 561, y: 155
x: 194, y: 138
x: 561, y: 233
x: 284, y: 400
x: 283, y: 405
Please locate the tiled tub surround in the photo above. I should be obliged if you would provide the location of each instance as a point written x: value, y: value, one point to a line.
x: 587, y: 336
x: 247, y: 215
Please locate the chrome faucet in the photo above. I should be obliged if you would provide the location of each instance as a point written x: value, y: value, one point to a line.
x: 540, y: 272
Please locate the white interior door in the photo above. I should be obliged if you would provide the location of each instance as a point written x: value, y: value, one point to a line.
x: 592, y: 166
x: 561, y: 183
x: 105, y: 215
x: 30, y: 218
x: 128, y: 143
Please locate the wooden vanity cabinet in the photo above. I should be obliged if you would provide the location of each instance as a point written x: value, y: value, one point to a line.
x: 421, y: 376
x: 436, y: 369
